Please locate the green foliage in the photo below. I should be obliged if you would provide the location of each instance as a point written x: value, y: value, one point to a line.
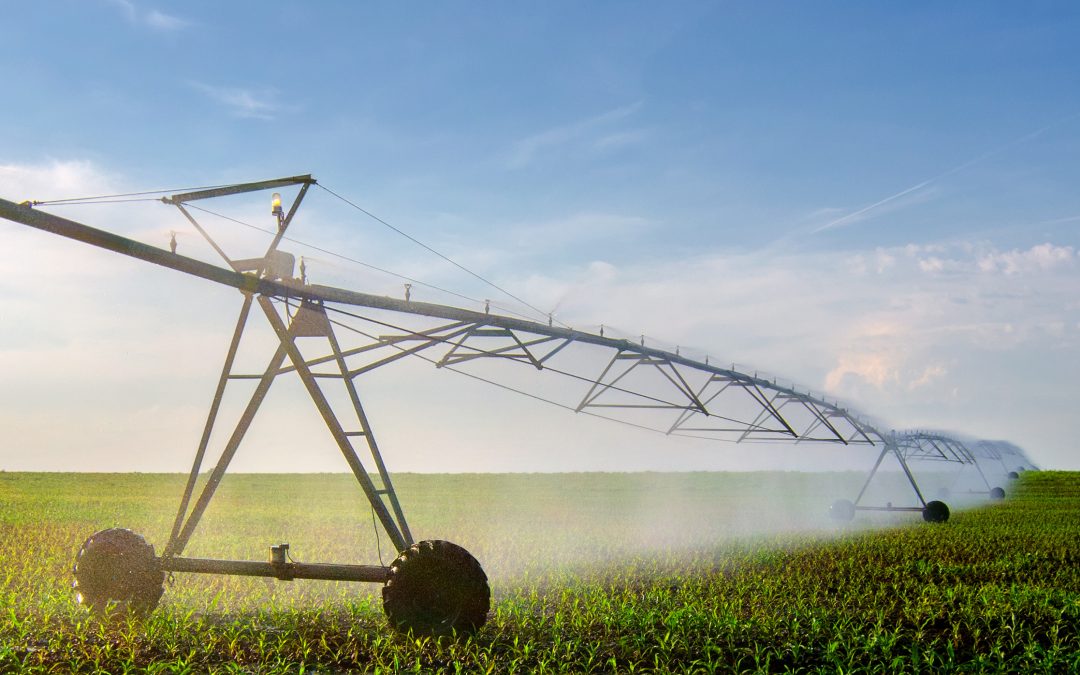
x: 591, y: 573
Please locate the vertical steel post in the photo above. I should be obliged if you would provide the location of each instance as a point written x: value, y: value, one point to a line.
x: 208, y: 428
x: 230, y: 448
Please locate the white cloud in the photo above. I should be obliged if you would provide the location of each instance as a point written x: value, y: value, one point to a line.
x: 620, y: 140
x: 573, y: 229
x: 866, y: 211
x: 55, y: 179
x: 163, y: 21
x: 921, y: 187
x: 1042, y: 257
x: 929, y: 374
x: 876, y: 369
x: 883, y: 260
x: 971, y: 349
x: 152, y: 18
x: 127, y: 7
x: 871, y: 328
x: 579, y: 133
x: 931, y: 264
x: 243, y: 102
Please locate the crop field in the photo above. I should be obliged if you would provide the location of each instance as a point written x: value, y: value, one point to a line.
x: 698, y: 572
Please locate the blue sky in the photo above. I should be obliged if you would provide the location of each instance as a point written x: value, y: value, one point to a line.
x: 878, y: 200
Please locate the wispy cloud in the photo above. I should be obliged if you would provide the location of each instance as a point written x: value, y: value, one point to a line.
x: 241, y: 101
x: 163, y: 21
x: 620, y: 140
x: 855, y: 216
x: 929, y: 374
x: 988, y: 345
x: 56, y: 179
x: 905, y: 332
x: 862, y: 213
x: 595, y: 133
x: 127, y: 8
x: 152, y: 18
x: 574, y: 229
x: 1038, y: 258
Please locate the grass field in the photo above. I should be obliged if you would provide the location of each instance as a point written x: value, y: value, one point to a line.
x: 589, y: 572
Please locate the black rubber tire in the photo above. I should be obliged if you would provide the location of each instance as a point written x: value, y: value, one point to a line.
x: 436, y: 588
x: 935, y: 512
x: 997, y: 493
x: 842, y: 510
x: 117, y: 568
x: 1013, y: 475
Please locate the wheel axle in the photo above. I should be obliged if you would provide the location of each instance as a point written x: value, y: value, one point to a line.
x: 284, y: 571
x: 432, y: 588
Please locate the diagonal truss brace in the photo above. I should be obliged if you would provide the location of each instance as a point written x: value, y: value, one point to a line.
x: 891, y: 447
x: 634, y: 360
x: 309, y: 321
x: 392, y: 518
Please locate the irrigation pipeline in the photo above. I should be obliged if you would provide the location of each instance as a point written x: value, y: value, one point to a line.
x: 24, y: 213
x: 416, y: 241
x: 349, y: 259
x: 145, y: 196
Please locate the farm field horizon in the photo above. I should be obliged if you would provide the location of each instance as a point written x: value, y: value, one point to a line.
x: 592, y: 572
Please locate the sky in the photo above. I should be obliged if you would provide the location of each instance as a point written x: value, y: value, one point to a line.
x: 875, y: 200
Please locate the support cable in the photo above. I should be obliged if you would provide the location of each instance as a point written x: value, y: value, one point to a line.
x: 71, y: 200
x: 478, y: 351
x: 749, y: 426
x: 500, y: 385
x: 353, y: 260
x: 121, y: 198
x: 515, y: 390
x: 416, y: 241
x: 93, y: 201
x: 137, y: 196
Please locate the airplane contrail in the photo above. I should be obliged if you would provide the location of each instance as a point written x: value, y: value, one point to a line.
x: 848, y: 218
x: 842, y: 219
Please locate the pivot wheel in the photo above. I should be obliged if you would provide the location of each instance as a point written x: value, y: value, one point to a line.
x: 436, y: 588
x: 997, y: 493
x: 842, y: 510
x: 935, y: 512
x: 116, y: 567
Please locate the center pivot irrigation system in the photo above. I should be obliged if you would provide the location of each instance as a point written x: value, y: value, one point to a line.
x: 436, y: 587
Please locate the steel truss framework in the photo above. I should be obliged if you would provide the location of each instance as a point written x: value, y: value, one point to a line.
x: 1011, y: 457
x: 926, y: 446
x: 639, y: 385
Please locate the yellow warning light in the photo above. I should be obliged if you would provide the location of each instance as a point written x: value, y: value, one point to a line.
x: 275, y: 204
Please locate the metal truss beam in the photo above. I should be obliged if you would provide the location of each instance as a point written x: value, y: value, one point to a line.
x: 239, y: 188
x: 287, y: 289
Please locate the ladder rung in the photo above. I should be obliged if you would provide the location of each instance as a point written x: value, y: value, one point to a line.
x: 330, y: 376
x: 245, y: 377
x: 354, y: 433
